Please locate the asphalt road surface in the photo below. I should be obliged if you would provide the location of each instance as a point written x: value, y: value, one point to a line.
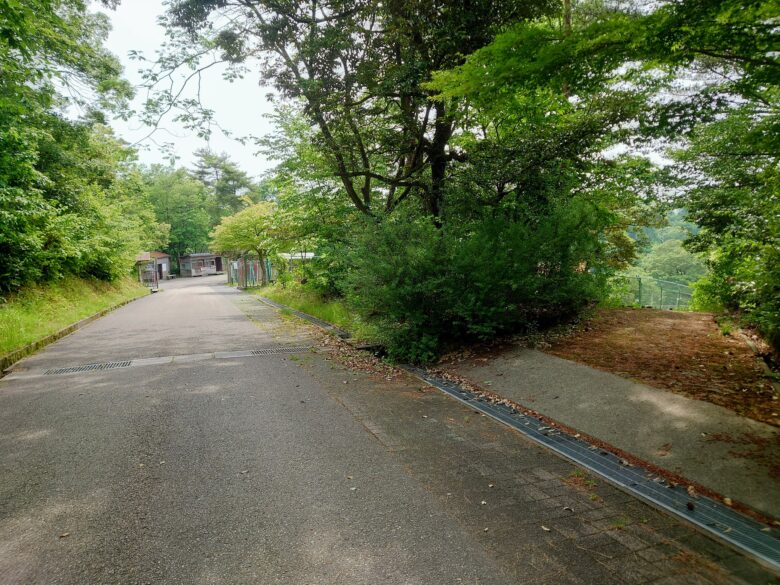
x: 199, y: 463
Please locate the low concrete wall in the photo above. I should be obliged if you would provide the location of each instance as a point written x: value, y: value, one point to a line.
x: 9, y: 359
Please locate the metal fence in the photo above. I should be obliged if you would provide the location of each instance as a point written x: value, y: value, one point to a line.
x: 245, y: 272
x: 147, y: 275
x: 644, y: 291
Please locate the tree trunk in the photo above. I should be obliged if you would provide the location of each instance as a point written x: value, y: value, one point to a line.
x: 437, y: 155
x: 566, y: 33
x: 263, y: 273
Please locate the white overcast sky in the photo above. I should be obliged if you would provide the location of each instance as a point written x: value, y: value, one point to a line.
x: 239, y: 106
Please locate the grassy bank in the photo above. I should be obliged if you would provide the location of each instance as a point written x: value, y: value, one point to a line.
x: 333, y: 311
x: 38, y: 311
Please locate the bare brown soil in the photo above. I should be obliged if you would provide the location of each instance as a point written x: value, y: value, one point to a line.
x: 685, y: 353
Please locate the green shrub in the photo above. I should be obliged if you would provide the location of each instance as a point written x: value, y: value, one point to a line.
x: 428, y: 287
x: 744, y: 280
x: 326, y: 272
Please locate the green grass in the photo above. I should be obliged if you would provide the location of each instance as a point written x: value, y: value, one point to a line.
x: 725, y: 324
x: 333, y: 311
x: 620, y: 523
x: 40, y: 310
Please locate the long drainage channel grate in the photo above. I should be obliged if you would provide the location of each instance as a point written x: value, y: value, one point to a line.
x: 710, y: 515
x: 277, y: 350
x: 89, y: 368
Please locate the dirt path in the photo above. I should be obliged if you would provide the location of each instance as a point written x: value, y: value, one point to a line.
x: 685, y: 353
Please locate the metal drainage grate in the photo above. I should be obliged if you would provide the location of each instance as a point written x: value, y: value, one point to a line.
x: 276, y: 350
x: 708, y: 514
x: 88, y: 368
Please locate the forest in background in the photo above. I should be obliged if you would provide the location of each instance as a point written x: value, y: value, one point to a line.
x: 461, y: 170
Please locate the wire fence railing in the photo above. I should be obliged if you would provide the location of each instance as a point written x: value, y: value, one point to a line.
x: 645, y: 291
x: 247, y: 273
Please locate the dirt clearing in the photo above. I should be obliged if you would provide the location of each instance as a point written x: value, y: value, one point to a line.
x: 685, y: 353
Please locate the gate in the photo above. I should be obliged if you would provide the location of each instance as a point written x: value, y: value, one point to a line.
x: 147, y: 274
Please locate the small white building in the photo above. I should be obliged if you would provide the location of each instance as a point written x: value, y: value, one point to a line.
x: 296, y: 258
x: 200, y: 264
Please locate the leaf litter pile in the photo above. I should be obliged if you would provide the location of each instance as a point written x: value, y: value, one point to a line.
x: 356, y: 359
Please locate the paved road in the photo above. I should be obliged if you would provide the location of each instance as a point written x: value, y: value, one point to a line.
x: 204, y: 465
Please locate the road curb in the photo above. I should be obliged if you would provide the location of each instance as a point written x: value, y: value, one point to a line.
x: 9, y: 359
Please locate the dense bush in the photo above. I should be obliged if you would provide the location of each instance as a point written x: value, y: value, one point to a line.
x: 85, y: 214
x: 744, y: 280
x: 731, y: 166
x: 428, y: 287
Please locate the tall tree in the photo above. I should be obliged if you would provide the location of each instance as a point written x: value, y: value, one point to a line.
x: 61, y: 181
x: 358, y: 67
x: 727, y: 167
x: 227, y: 182
x: 181, y: 202
x: 250, y: 231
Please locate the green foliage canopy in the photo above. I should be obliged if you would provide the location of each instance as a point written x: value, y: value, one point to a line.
x: 70, y: 201
x: 250, y: 231
x: 182, y: 202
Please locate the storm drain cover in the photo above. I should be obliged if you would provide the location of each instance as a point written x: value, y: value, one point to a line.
x: 88, y: 368
x: 276, y: 350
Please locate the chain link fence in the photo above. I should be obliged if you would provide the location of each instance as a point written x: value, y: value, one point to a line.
x: 644, y: 291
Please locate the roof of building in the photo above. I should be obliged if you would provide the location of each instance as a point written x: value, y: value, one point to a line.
x: 147, y: 256
x: 199, y: 255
